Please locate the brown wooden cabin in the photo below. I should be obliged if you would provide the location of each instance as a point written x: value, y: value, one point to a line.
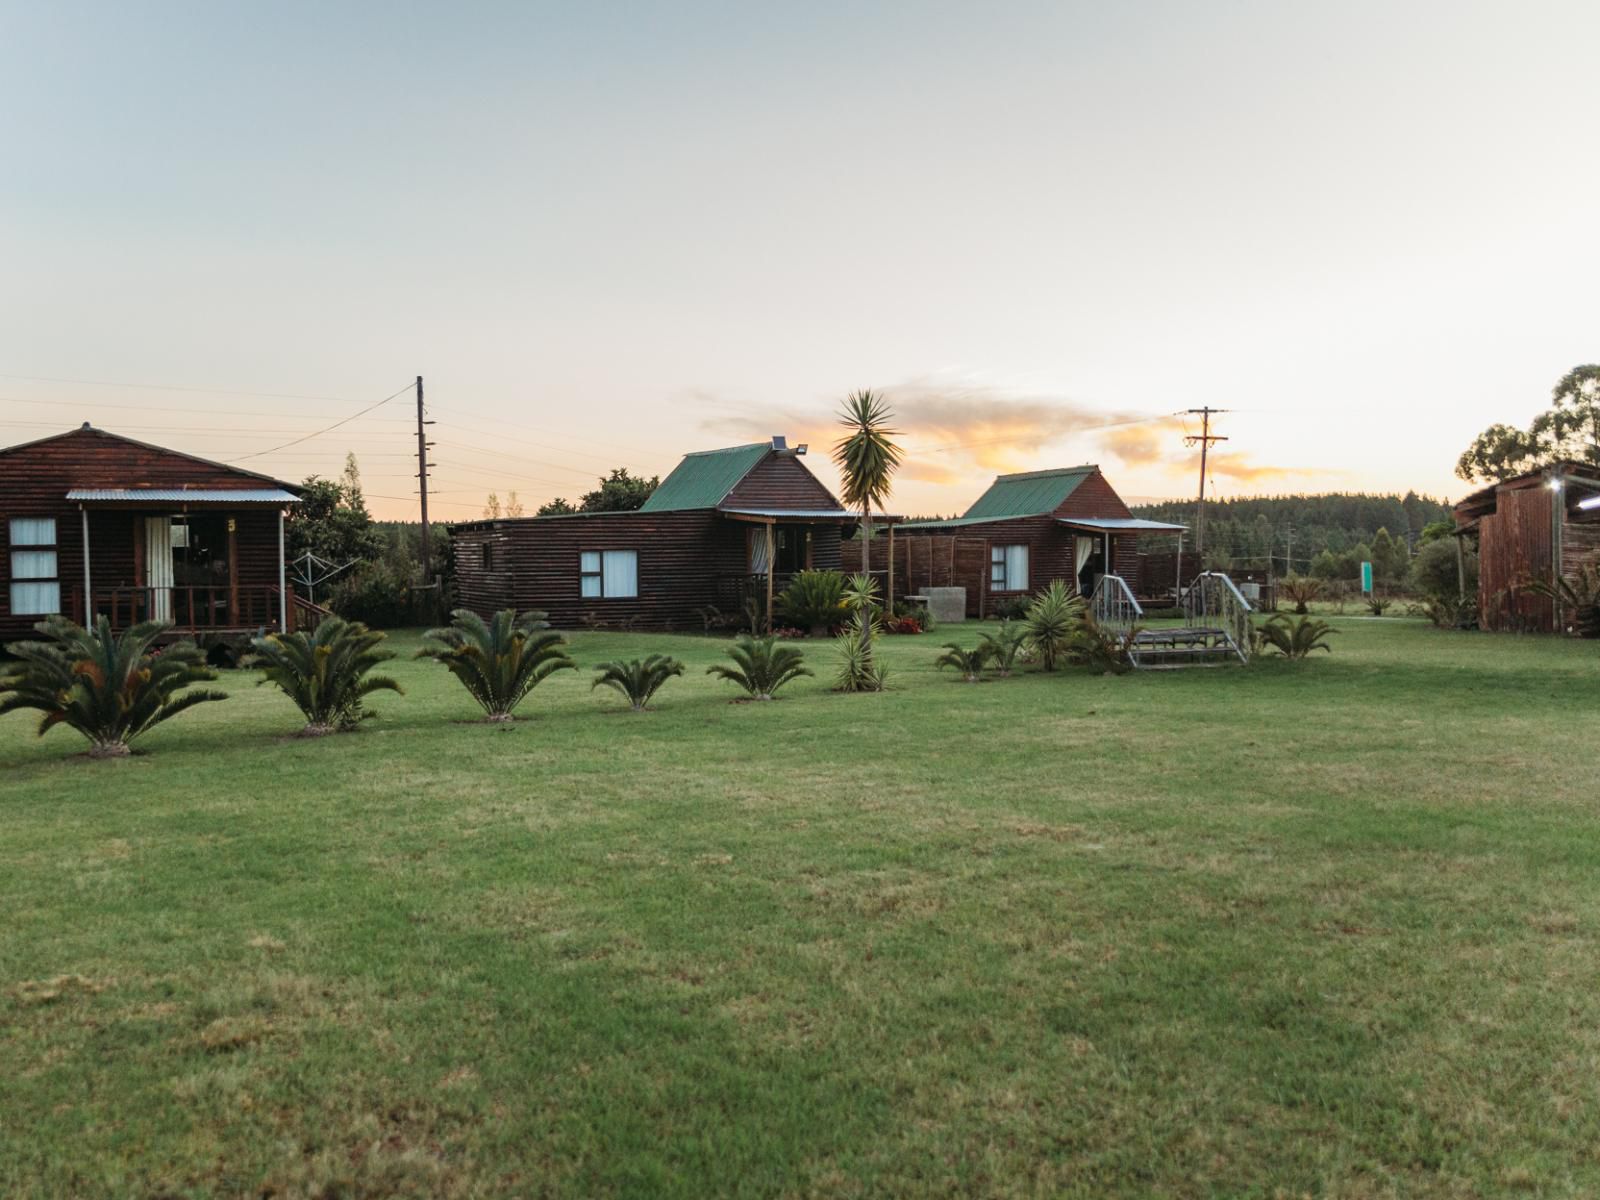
x: 725, y: 526
x: 1025, y: 532
x: 1524, y: 527
x: 98, y: 523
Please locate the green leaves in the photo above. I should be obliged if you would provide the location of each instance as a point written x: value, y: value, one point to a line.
x: 867, y: 456
x: 969, y: 662
x: 760, y: 666
x: 325, y: 671
x: 501, y: 660
x: 110, y: 688
x: 1053, y: 617
x: 638, y: 679
x: 1295, y: 639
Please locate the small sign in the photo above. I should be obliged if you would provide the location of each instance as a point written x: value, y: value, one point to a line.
x: 1366, y: 577
x: 232, y: 527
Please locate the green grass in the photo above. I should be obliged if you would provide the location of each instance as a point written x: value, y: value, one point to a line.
x: 1322, y: 929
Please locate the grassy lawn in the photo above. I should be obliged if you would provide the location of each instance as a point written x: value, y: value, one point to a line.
x: 1324, y: 929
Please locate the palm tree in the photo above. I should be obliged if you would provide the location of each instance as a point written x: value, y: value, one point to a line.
x: 110, y: 688
x: 501, y: 660
x: 866, y: 457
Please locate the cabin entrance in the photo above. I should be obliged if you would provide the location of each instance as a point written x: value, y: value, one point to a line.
x: 187, y: 552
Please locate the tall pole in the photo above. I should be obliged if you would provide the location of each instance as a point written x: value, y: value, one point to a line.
x: 1205, y: 439
x: 422, y: 481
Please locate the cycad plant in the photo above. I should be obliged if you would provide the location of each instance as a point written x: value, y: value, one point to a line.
x: 1103, y: 651
x: 110, y: 688
x: 325, y: 671
x: 1003, y: 645
x: 761, y: 666
x: 969, y: 662
x: 814, y: 600
x: 1052, y: 619
x: 1301, y: 590
x: 1579, y: 596
x: 638, y: 679
x: 501, y: 660
x: 1295, y: 639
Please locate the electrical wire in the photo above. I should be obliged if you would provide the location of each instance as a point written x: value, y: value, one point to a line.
x: 329, y: 429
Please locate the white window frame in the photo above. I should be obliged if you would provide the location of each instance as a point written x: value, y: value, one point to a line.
x: 1001, y: 562
x: 20, y: 549
x: 599, y: 571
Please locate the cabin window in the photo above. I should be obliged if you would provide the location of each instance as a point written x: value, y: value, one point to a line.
x: 609, y: 574
x: 1008, y: 568
x: 488, y: 556
x: 35, y: 578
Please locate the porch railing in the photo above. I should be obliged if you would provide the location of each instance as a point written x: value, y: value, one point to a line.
x: 210, y: 608
x: 1213, y: 602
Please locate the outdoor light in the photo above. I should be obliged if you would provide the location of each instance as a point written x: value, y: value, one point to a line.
x: 1591, y: 502
x: 1555, y: 485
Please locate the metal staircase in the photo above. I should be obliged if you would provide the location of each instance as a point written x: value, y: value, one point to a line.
x: 1215, y: 629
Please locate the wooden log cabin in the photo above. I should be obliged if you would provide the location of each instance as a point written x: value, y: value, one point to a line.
x: 98, y: 523
x: 724, y: 527
x: 1024, y: 533
x: 1526, y: 529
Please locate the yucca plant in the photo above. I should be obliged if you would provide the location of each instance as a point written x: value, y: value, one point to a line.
x: 760, y: 666
x: 110, y: 688
x: 858, y: 669
x: 638, y: 679
x: 969, y: 662
x: 1295, y: 639
x: 1301, y: 590
x: 1003, y: 645
x: 1053, y: 616
x: 325, y: 671
x: 501, y: 660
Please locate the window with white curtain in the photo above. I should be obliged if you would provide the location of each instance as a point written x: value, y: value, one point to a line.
x: 1008, y: 568
x: 35, y: 570
x: 608, y: 574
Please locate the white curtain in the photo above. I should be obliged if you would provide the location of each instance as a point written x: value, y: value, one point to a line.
x: 35, y: 599
x: 33, y: 564
x: 158, y: 566
x: 1016, y: 568
x: 1084, y: 548
x: 33, y: 531
x: 589, y: 573
x: 621, y: 573
x: 758, y: 552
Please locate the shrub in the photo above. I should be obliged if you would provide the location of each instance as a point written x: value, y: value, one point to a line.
x: 1300, y: 590
x: 1579, y: 596
x: 1103, y: 651
x: 109, y: 688
x: 1051, y: 620
x: 969, y: 662
x: 638, y: 679
x: 1003, y: 645
x: 858, y: 671
x: 377, y: 594
x: 1377, y: 605
x: 324, y: 671
x: 1295, y: 639
x: 1437, y: 573
x: 1013, y: 608
x: 501, y: 660
x: 760, y: 666
x: 814, y: 600
x: 903, y: 625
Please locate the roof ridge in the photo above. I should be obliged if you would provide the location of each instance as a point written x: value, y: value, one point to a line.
x: 725, y: 449
x: 1050, y: 471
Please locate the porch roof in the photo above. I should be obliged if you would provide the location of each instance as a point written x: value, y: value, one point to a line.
x: 1121, y: 524
x: 797, y: 514
x: 182, y: 496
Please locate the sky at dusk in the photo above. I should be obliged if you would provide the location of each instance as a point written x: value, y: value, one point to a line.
x: 607, y: 234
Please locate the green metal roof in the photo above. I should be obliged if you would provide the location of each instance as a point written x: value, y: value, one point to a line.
x: 958, y: 522
x: 1029, y: 494
x: 702, y: 479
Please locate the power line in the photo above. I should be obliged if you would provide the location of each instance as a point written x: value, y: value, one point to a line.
x: 259, y: 453
x: 166, y: 387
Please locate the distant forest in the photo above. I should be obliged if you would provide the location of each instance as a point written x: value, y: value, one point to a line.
x: 1249, y: 529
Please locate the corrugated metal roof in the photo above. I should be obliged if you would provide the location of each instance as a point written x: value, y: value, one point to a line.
x: 1029, y: 494
x: 802, y: 513
x: 190, y: 495
x: 702, y: 479
x: 1115, y: 523
x: 957, y: 522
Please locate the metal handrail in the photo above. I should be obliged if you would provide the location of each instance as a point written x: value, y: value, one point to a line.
x: 1113, y: 605
x: 1213, y: 598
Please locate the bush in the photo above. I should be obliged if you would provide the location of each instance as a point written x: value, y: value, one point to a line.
x: 324, y: 672
x: 1051, y: 620
x: 639, y: 679
x: 109, y: 688
x: 903, y: 625
x: 969, y: 662
x: 1435, y: 572
x: 814, y: 600
x: 376, y: 594
x: 501, y: 660
x: 1294, y: 639
x: 1011, y: 609
x: 1102, y: 651
x: 760, y: 666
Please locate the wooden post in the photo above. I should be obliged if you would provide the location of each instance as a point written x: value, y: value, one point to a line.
x: 233, y: 574
x: 1461, y: 569
x: 1558, y: 512
x: 888, y: 599
x: 88, y: 587
x: 283, y: 581
x: 771, y: 553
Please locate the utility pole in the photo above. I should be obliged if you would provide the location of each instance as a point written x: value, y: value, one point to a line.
x: 422, y: 483
x: 1205, y: 438
x: 1288, y: 552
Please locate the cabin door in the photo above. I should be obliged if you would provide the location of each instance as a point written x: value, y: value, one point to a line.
x: 158, y: 566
